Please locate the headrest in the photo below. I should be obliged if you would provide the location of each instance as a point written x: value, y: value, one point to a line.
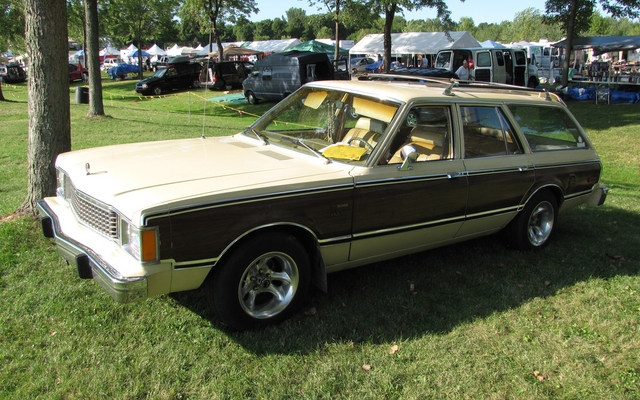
x: 369, y: 124
x: 419, y: 134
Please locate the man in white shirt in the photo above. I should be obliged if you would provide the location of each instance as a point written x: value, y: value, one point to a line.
x: 464, y: 72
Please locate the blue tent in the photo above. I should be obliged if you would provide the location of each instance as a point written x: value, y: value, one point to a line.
x: 135, y: 54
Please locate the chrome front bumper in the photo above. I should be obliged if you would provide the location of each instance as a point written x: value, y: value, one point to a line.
x: 91, y: 265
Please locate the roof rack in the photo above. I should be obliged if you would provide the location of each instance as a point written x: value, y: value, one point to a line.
x: 453, y: 83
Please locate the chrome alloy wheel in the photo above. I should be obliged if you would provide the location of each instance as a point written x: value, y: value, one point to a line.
x: 268, y: 285
x: 541, y: 223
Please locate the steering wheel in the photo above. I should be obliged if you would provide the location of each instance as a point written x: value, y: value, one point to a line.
x: 366, y: 144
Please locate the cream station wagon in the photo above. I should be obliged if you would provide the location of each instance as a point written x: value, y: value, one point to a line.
x: 340, y: 174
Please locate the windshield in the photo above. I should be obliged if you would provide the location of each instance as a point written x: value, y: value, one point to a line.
x: 336, y: 125
x: 160, y: 73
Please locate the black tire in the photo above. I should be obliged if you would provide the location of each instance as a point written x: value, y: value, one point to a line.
x: 251, y: 98
x: 262, y: 282
x: 533, y: 83
x: 157, y: 90
x: 533, y: 226
x: 195, y: 83
x: 228, y: 86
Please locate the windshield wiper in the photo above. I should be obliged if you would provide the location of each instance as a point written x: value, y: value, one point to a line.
x: 301, y: 142
x: 260, y: 136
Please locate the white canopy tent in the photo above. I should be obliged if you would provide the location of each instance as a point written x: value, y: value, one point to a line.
x: 490, y: 44
x: 205, y: 50
x: 415, y: 43
x: 109, y: 51
x: 174, y: 51
x: 272, y: 46
x: 155, y: 50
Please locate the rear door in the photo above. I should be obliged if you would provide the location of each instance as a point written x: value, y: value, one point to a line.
x: 483, y: 66
x: 499, y: 171
x: 520, y: 72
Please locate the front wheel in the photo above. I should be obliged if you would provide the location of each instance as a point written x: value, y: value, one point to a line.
x: 532, y: 228
x: 157, y: 90
x: 262, y: 282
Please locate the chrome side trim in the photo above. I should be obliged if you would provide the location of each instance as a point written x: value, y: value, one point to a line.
x: 122, y: 289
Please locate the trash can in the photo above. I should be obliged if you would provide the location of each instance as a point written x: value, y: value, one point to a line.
x: 82, y: 95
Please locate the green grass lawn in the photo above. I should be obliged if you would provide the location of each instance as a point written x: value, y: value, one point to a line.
x: 475, y: 320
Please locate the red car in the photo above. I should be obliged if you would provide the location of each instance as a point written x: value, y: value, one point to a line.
x: 78, y: 72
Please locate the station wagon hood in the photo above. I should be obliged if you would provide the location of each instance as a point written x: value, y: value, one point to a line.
x: 153, y: 176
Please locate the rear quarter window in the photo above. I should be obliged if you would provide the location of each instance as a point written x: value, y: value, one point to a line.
x: 547, y: 128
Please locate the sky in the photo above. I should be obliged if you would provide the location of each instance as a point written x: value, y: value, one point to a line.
x: 490, y: 11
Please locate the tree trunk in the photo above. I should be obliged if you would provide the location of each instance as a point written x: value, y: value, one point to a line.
x: 96, y: 106
x: 568, y: 45
x: 390, y: 13
x: 336, y: 54
x: 49, y: 114
x: 1, y: 95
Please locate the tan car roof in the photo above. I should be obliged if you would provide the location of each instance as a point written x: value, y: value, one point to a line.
x: 407, y: 91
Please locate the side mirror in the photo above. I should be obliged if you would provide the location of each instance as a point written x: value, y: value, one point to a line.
x: 409, y: 155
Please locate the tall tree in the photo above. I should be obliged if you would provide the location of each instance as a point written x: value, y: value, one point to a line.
x: 211, y: 15
x: 96, y: 106
x: 49, y: 113
x: 389, y: 8
x: 139, y: 20
x: 575, y: 17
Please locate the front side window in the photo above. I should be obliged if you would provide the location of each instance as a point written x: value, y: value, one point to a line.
x: 487, y: 132
x: 337, y: 125
x: 547, y: 128
x: 426, y: 132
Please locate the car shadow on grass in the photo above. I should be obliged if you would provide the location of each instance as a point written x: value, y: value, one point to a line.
x: 435, y: 291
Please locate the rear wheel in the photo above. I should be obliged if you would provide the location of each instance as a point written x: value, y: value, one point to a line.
x: 251, y: 98
x: 260, y: 283
x: 533, y: 226
x: 195, y: 83
x: 533, y: 82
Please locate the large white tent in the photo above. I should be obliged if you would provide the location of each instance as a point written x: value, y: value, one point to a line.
x: 175, y: 50
x: 272, y: 46
x: 155, y: 50
x: 109, y: 51
x: 415, y: 43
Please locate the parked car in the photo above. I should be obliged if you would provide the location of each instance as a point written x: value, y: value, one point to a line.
x: 78, y: 73
x: 226, y: 74
x: 338, y: 175
x: 178, y: 75
x: 359, y: 64
x: 12, y: 73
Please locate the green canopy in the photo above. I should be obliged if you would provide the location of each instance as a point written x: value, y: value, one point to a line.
x: 317, y: 47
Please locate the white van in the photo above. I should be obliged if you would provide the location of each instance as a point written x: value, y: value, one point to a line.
x: 492, y: 65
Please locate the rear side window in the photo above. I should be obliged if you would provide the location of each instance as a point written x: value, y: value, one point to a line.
x: 547, y: 128
x: 484, y: 59
x: 487, y: 133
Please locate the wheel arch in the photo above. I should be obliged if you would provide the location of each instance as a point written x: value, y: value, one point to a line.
x: 554, y: 189
x: 301, y: 233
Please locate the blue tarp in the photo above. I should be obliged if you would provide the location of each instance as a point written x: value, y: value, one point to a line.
x: 122, y: 70
x: 616, y: 96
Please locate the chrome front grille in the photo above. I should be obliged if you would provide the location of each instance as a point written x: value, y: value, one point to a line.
x: 94, y: 214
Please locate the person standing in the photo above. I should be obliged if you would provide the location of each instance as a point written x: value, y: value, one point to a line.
x: 464, y: 72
